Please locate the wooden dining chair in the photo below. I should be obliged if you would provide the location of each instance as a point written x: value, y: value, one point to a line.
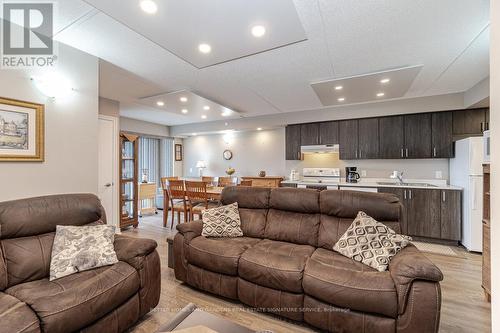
x: 198, y: 200
x: 178, y: 202
x: 225, y: 181
x: 246, y: 183
x: 166, y: 201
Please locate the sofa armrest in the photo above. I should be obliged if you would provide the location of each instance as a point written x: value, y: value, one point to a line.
x: 190, y: 230
x: 409, y: 265
x: 133, y: 250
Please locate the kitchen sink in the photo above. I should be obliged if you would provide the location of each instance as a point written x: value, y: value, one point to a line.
x: 406, y: 184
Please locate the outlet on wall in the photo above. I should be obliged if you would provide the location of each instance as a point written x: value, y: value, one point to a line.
x: 439, y: 174
x: 363, y: 173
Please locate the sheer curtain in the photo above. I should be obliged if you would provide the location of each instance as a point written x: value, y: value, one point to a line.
x: 157, y: 157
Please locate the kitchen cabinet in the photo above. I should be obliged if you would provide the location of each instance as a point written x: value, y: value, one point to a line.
x: 451, y: 212
x: 309, y: 134
x: 470, y: 122
x: 292, y: 142
x: 368, y: 138
x: 401, y: 194
x: 348, y: 139
x: 442, y: 135
x: 329, y: 133
x: 418, y: 136
x: 391, y: 137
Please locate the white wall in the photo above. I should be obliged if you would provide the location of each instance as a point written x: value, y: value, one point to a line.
x: 265, y: 150
x: 70, y: 132
x: 143, y: 127
x: 109, y: 107
x: 495, y: 162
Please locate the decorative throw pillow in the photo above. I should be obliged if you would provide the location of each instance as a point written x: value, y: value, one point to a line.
x: 222, y: 221
x: 370, y: 242
x: 79, y: 249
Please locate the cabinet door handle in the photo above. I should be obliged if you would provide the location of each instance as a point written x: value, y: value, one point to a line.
x: 444, y: 196
x: 482, y: 126
x: 360, y: 153
x: 409, y: 194
x: 356, y: 153
x: 404, y: 194
x: 298, y: 155
x: 406, y: 152
x: 434, y: 152
x: 402, y: 152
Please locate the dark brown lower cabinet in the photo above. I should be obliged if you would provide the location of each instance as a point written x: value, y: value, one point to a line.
x: 429, y: 213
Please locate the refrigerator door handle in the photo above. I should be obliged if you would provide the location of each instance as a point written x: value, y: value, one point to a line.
x: 473, y: 194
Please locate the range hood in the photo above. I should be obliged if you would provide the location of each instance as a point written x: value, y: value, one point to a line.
x: 320, y: 149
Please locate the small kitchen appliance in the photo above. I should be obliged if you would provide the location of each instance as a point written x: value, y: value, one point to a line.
x: 320, y: 178
x: 351, y: 176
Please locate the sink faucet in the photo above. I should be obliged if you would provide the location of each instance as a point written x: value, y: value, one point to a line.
x: 399, y: 176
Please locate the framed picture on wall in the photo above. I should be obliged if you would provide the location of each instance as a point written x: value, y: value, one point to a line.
x: 178, y: 152
x: 21, y: 131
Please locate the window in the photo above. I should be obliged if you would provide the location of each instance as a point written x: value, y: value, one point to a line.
x: 156, y: 158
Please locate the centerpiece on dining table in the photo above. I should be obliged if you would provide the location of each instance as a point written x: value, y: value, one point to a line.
x: 230, y: 171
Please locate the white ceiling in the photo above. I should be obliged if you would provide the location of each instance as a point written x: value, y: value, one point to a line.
x: 344, y: 38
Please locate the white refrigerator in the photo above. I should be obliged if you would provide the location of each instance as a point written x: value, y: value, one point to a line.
x: 466, y: 171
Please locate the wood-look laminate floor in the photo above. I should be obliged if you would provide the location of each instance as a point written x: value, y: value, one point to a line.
x: 464, y: 308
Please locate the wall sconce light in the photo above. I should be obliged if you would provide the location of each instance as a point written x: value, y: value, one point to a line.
x: 53, y: 85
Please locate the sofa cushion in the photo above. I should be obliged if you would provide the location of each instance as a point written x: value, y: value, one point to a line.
x: 299, y: 228
x: 16, y: 316
x: 343, y: 282
x: 223, y: 221
x: 275, y: 264
x: 75, y: 301
x: 220, y: 255
x: 253, y: 222
x: 246, y: 197
x: 295, y: 200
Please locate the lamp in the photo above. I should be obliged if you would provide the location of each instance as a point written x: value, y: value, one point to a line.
x: 201, y: 165
x: 53, y: 85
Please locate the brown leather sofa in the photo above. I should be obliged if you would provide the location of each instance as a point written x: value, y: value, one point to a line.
x: 106, y: 299
x: 284, y: 263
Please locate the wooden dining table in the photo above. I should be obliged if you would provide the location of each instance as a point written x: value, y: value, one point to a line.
x: 213, y: 193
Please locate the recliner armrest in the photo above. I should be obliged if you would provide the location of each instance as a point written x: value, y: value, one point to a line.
x: 133, y: 250
x: 190, y: 230
x: 408, y: 265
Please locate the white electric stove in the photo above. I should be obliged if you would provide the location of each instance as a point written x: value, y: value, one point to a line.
x: 320, y: 178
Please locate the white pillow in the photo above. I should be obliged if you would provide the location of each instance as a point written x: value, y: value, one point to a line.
x: 222, y: 221
x: 82, y: 248
x: 370, y: 242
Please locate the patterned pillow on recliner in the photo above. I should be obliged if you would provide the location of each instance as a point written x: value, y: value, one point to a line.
x: 370, y: 242
x: 222, y: 221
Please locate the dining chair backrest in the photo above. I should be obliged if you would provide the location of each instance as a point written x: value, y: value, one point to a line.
x: 225, y: 181
x: 246, y: 182
x: 176, y: 189
x: 196, y: 191
x: 164, y: 181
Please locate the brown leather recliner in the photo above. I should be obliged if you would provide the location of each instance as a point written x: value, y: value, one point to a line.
x: 284, y: 263
x: 106, y: 299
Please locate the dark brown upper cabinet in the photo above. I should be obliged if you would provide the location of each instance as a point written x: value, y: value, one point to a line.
x: 292, y: 142
x: 309, y: 134
x: 470, y: 122
x: 418, y: 136
x: 368, y: 137
x: 329, y: 133
x: 391, y: 137
x: 442, y: 135
x: 348, y: 139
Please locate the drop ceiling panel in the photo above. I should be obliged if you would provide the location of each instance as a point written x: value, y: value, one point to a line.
x: 196, y: 108
x: 366, y: 88
x: 180, y: 26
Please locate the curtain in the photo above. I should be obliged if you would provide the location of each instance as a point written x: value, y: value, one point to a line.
x: 167, y: 152
x: 157, y: 157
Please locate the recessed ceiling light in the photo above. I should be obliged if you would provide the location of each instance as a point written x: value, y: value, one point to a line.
x: 160, y: 103
x: 380, y: 94
x: 385, y: 80
x: 149, y: 6
x: 183, y: 99
x: 203, y: 117
x: 226, y: 113
x: 341, y: 99
x: 204, y: 48
x: 184, y: 111
x: 258, y: 31
x: 206, y: 108
x: 225, y: 124
x: 338, y: 88
x: 259, y: 128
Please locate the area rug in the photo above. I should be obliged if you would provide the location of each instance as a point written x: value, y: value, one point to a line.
x: 436, y: 249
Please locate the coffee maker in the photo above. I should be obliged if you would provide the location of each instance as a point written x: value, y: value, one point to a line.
x: 351, y: 176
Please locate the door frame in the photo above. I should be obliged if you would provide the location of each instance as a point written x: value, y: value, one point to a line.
x: 116, y: 158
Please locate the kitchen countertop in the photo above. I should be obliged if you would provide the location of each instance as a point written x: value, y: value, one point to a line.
x: 373, y: 182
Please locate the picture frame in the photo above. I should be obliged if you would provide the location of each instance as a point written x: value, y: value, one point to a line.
x: 22, y: 137
x: 178, y: 152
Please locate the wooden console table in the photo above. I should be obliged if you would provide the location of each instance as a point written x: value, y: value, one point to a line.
x: 265, y: 181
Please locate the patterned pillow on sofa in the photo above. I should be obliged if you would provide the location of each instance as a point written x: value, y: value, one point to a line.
x: 370, y: 242
x: 222, y: 221
x: 81, y: 248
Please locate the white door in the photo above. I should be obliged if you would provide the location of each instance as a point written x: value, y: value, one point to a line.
x: 108, y: 167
